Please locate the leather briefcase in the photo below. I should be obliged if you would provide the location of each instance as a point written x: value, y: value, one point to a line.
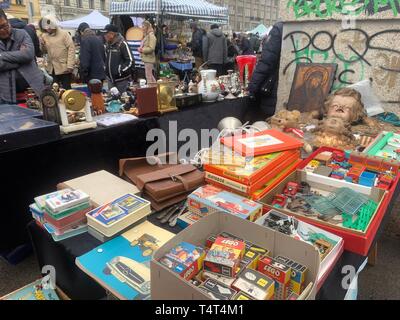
x: 162, y: 184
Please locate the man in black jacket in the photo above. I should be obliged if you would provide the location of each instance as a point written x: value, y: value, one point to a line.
x: 92, y: 55
x: 119, y: 59
x: 197, y: 44
x: 268, y: 69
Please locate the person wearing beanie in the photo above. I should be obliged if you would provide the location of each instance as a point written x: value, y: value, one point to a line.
x: 60, y: 50
x: 215, y: 50
x: 91, y: 56
x: 196, y: 44
x: 119, y: 60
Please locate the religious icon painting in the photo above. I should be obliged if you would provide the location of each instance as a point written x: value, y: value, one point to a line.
x: 311, y: 85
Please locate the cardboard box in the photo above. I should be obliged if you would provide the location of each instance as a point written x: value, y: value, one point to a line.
x: 185, y: 259
x: 355, y: 241
x: 219, y: 288
x: 255, y: 284
x: 242, y: 296
x: 164, y: 279
x: 279, y: 272
x: 218, y: 277
x: 298, y: 274
x: 224, y: 256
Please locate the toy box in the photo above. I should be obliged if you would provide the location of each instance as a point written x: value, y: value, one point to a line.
x: 217, y: 277
x: 219, y: 289
x: 242, y: 296
x: 279, y: 272
x: 224, y: 256
x: 211, y: 294
x: 187, y: 219
x: 66, y: 199
x: 163, y: 279
x: 209, y: 199
x: 255, y: 284
x: 386, y: 145
x: 298, y: 274
x: 185, y: 259
x: 357, y: 241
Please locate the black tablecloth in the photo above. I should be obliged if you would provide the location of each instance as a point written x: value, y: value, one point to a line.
x: 34, y: 170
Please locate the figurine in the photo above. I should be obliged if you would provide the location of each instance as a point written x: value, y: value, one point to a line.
x: 334, y: 132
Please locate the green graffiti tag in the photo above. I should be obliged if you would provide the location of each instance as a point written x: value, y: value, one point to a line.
x: 327, y: 8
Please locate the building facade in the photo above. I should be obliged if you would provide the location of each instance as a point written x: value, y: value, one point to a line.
x: 26, y: 10
x: 245, y: 15
x: 72, y: 9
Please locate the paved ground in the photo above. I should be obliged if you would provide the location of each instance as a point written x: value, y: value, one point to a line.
x: 379, y: 282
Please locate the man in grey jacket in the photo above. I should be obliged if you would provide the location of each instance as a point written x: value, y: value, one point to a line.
x: 18, y: 69
x: 215, y: 49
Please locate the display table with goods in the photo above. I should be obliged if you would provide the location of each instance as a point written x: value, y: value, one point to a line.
x: 40, y: 161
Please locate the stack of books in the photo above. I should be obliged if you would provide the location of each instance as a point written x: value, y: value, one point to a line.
x: 116, y: 217
x: 62, y: 213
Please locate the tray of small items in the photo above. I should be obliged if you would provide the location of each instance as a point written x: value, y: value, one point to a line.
x: 343, y: 211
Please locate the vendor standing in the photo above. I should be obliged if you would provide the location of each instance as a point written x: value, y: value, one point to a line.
x: 18, y: 69
x: 196, y: 44
x: 119, y: 59
x: 92, y: 55
x: 147, y: 51
x: 60, y: 49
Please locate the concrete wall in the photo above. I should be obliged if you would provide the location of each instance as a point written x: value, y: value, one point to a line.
x: 367, y: 47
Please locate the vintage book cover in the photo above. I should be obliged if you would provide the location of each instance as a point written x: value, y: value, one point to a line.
x: 122, y: 265
x: 265, y: 142
x: 33, y: 291
x: 255, y: 168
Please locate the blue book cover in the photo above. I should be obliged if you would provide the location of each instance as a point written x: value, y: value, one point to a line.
x: 34, y: 291
x: 118, y: 209
x: 122, y: 265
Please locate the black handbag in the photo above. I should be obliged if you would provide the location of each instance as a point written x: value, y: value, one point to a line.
x: 268, y: 86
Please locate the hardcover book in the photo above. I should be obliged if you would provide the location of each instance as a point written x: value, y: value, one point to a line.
x: 122, y: 265
x: 118, y: 214
x: 261, y: 143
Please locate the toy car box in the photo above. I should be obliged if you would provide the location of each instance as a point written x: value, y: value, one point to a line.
x: 163, y: 279
x: 242, y: 296
x: 218, y: 277
x: 224, y: 256
x: 354, y: 240
x: 279, y: 272
x: 255, y: 284
x: 219, y: 289
x: 209, y: 199
x: 185, y: 259
x: 298, y: 274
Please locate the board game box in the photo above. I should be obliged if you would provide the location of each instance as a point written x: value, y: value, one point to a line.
x: 209, y: 199
x: 118, y: 214
x: 255, y: 284
x: 66, y: 199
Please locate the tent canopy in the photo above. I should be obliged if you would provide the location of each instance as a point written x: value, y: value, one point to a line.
x: 261, y: 30
x: 95, y: 20
x: 183, y: 9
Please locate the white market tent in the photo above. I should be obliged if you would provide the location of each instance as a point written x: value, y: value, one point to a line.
x: 95, y: 20
x: 262, y: 30
x: 179, y: 9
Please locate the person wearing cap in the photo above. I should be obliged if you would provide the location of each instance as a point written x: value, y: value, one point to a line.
x: 119, y: 60
x: 91, y: 56
x: 18, y: 69
x: 60, y: 50
x: 215, y: 49
x: 196, y: 44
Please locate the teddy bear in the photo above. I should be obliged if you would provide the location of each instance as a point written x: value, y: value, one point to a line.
x: 290, y: 122
x: 334, y: 132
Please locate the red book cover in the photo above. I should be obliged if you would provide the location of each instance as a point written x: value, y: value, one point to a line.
x: 256, y: 168
x: 261, y: 143
x: 269, y: 174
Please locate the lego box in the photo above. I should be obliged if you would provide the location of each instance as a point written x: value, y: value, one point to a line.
x: 298, y: 274
x: 255, y: 284
x: 163, y: 279
x: 185, y: 259
x: 224, y: 256
x: 219, y: 288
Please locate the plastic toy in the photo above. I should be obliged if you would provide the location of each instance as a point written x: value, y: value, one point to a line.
x: 367, y: 179
x: 363, y: 217
x: 353, y: 175
x: 338, y: 156
x: 347, y: 200
x: 291, y: 189
x: 385, y: 181
x: 279, y: 201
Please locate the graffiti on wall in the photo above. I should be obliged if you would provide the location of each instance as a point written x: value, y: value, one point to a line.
x: 328, y: 8
x: 356, y: 52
